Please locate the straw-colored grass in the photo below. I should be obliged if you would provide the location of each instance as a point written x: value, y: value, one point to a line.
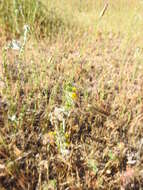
x: 71, y: 92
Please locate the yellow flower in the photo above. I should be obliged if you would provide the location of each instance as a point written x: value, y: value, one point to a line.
x: 66, y: 135
x: 74, y: 89
x: 52, y: 133
x: 74, y: 96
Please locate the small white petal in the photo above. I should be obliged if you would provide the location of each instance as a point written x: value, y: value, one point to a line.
x: 15, y: 45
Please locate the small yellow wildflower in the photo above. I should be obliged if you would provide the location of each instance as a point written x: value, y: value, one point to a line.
x: 52, y: 133
x: 74, y: 96
x: 66, y: 135
x: 74, y: 89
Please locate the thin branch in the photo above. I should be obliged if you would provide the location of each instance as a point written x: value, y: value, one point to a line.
x: 103, y: 10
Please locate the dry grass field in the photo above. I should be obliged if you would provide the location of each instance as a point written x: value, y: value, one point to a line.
x: 71, y: 95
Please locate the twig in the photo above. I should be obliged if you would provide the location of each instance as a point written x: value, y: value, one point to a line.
x: 103, y: 10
